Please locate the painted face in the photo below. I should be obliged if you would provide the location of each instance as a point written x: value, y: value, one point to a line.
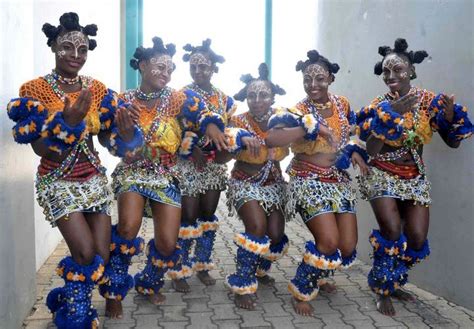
x: 71, y: 51
x: 259, y: 97
x: 316, y: 80
x: 201, y: 68
x: 396, y: 72
x: 158, y: 71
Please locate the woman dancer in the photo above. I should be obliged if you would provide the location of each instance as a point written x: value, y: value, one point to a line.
x: 256, y: 191
x: 202, y: 178
x: 58, y: 114
x: 396, y: 125
x: 146, y: 180
x: 318, y: 129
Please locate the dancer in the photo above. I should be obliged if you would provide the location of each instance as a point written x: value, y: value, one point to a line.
x: 58, y: 114
x: 256, y: 191
x: 202, y: 177
x: 147, y: 179
x: 318, y: 129
x: 395, y: 126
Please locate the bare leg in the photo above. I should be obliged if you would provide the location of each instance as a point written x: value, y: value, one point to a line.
x: 130, y: 215
x: 347, y: 226
x: 166, y: 220
x: 208, y: 204
x: 275, y: 231
x: 388, y: 217
x: 325, y: 232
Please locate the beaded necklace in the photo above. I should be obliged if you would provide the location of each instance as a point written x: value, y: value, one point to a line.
x: 263, y: 118
x: 67, y: 165
x: 251, y: 126
x: 162, y: 110
x: 66, y: 81
x: 339, y: 107
x: 146, y: 96
x: 206, y: 96
x: 53, y: 82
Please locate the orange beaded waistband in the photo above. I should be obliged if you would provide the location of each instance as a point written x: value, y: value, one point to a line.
x: 80, y: 171
x: 404, y: 171
x: 309, y: 170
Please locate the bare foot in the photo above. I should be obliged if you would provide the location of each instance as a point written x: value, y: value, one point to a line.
x: 113, y: 308
x: 404, y: 295
x: 244, y: 301
x: 385, y: 306
x: 266, y: 280
x: 206, y: 278
x: 302, y: 308
x: 157, y: 299
x: 181, y: 285
x: 327, y: 287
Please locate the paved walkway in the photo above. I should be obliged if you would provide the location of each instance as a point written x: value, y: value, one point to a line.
x: 212, y: 307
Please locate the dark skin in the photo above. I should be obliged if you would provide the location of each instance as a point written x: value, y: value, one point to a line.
x: 332, y: 231
x: 396, y: 216
x: 166, y: 218
x: 86, y: 234
x: 205, y: 204
x: 257, y: 222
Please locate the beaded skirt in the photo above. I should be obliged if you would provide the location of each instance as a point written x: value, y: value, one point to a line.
x: 386, y: 179
x: 60, y: 197
x: 193, y: 182
x: 269, y: 196
x: 313, y: 191
x: 151, y: 180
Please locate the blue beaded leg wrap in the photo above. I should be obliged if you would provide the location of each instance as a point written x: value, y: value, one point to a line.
x: 151, y: 279
x: 314, y: 266
x: 388, y: 272
x: 187, y: 235
x: 72, y: 303
x: 276, y: 251
x: 204, y: 245
x: 116, y: 271
x: 250, y: 248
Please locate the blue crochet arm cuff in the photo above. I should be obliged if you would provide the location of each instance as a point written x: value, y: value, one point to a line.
x: 59, y: 136
x: 459, y: 128
x: 284, y: 118
x: 108, y: 107
x: 386, y: 123
x: 344, y: 159
x: 234, y: 139
x: 29, y: 116
x: 189, y: 140
x: 118, y: 147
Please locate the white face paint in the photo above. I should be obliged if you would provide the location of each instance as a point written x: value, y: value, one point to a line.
x: 259, y: 96
x: 198, y: 58
x: 201, y: 68
x: 316, y: 76
x: 74, y: 41
x: 395, y: 69
x: 161, y: 64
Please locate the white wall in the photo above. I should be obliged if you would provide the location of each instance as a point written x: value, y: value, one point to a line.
x: 350, y: 33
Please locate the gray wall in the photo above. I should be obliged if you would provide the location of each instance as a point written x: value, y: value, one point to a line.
x: 350, y: 33
x: 17, y: 241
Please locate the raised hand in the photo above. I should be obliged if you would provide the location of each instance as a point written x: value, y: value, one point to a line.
x: 448, y: 102
x: 404, y: 104
x: 252, y: 145
x: 75, y: 113
x: 217, y: 137
x: 124, y: 124
x: 134, y: 112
